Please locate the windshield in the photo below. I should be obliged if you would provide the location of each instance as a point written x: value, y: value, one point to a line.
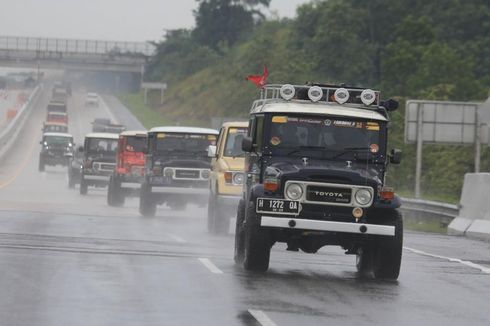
x: 102, y: 145
x: 55, y: 140
x: 233, y: 146
x: 179, y: 142
x: 135, y: 144
x: 325, y: 138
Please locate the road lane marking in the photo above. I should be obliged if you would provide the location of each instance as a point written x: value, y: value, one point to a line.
x: 261, y: 317
x: 483, y: 269
x: 209, y: 265
x: 108, y: 110
x: 176, y: 238
x: 22, y: 166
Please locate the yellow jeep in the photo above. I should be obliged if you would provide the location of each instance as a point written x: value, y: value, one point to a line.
x: 227, y: 176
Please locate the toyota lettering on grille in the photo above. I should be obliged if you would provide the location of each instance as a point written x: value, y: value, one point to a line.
x: 329, y: 195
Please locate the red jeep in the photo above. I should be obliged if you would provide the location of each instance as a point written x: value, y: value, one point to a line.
x: 130, y: 167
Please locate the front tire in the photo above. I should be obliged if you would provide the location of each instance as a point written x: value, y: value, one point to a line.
x: 239, y: 255
x: 387, y: 254
x: 148, y: 206
x: 42, y: 167
x: 83, y: 186
x: 257, y: 243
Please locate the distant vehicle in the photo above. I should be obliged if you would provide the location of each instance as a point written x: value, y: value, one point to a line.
x: 316, y: 161
x: 59, y: 94
x: 105, y: 125
x: 130, y: 167
x: 56, y: 107
x: 177, y: 168
x: 55, y: 127
x: 92, y: 100
x: 56, y: 149
x: 99, y: 160
x: 227, y: 177
x: 59, y: 117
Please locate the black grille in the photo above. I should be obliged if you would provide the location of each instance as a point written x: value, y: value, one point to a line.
x: 187, y: 174
x: 328, y: 194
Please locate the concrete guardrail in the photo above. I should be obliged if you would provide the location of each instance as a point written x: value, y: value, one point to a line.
x: 10, y: 133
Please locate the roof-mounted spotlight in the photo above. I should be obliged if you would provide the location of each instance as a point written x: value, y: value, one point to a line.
x: 341, y: 95
x: 368, y: 96
x: 287, y: 92
x: 315, y: 93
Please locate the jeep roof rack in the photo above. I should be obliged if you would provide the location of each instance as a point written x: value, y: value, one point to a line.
x: 356, y: 97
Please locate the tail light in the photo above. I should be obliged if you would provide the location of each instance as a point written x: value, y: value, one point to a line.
x: 87, y: 164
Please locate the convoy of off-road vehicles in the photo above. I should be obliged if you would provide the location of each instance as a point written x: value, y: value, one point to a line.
x: 307, y: 169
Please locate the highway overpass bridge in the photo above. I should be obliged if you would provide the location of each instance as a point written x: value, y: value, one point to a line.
x: 74, y: 55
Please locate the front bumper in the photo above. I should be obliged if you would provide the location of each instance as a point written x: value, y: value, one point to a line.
x: 315, y: 225
x: 102, y: 178
x: 180, y: 191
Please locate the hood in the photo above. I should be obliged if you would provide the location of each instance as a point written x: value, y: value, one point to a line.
x: 340, y: 172
x: 183, y: 163
x: 234, y: 164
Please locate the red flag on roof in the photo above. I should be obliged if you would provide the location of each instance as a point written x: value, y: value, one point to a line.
x: 259, y: 80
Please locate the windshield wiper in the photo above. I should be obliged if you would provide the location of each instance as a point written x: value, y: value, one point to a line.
x: 300, y: 148
x: 350, y: 150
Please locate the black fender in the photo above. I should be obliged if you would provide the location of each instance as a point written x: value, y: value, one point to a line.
x: 392, y: 204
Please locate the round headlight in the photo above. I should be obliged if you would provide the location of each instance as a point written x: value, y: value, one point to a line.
x: 287, y: 92
x: 363, y: 196
x: 205, y: 174
x: 341, y: 95
x: 238, y: 178
x: 294, y: 191
x: 169, y: 173
x: 315, y: 93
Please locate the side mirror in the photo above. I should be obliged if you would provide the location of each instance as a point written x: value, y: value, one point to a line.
x: 247, y: 144
x: 390, y: 105
x: 212, y: 151
x: 395, y: 156
x: 80, y: 149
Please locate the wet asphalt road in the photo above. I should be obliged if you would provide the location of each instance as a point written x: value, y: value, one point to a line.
x: 72, y: 260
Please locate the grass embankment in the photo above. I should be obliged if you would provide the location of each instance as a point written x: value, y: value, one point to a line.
x: 152, y: 116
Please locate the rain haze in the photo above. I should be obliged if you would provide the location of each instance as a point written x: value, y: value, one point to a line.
x: 242, y: 162
x: 121, y: 20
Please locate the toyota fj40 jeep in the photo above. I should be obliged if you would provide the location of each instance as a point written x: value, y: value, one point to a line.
x: 226, y: 181
x: 99, y: 160
x: 177, y: 168
x: 130, y: 167
x: 56, y: 149
x: 315, y: 175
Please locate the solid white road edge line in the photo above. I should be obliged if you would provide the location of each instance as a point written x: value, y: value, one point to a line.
x: 261, y: 317
x: 209, y: 265
x: 108, y: 110
x: 483, y: 269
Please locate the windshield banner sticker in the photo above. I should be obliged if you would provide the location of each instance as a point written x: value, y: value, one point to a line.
x: 279, y: 119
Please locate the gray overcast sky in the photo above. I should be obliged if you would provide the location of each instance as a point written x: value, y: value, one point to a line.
x: 121, y: 20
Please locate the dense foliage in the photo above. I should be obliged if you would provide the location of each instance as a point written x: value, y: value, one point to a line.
x: 415, y: 49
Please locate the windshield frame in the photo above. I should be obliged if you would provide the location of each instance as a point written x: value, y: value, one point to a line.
x: 243, y: 131
x: 327, y: 155
x: 89, y: 150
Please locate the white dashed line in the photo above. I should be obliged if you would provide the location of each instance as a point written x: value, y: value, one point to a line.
x: 209, y: 265
x: 261, y: 317
x: 483, y: 269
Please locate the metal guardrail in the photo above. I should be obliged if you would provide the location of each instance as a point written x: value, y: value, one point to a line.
x: 39, y: 44
x: 9, y: 134
x: 429, y: 210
